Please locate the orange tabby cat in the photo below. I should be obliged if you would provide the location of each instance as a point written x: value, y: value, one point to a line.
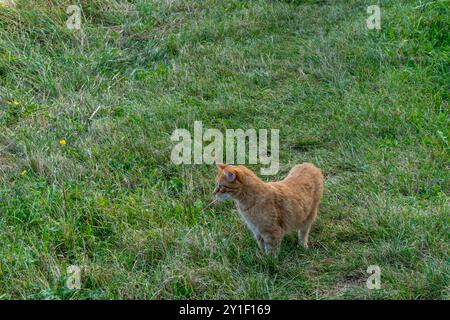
x: 274, y: 208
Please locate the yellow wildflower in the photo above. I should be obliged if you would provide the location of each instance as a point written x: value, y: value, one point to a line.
x: 24, y: 172
x: 62, y: 142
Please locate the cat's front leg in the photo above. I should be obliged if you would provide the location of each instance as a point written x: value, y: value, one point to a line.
x: 272, y: 245
x: 260, y: 241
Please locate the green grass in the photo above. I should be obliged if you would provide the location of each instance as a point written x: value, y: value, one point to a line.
x: 370, y: 108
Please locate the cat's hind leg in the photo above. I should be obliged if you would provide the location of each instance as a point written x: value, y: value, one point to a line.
x: 303, y: 235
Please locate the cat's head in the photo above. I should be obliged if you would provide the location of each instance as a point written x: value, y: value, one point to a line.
x: 228, y: 181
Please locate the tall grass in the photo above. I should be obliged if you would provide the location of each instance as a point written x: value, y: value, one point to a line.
x: 368, y: 107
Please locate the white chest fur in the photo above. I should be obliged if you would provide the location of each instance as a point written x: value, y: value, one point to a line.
x: 248, y: 222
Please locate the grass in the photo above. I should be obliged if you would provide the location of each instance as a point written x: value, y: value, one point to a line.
x: 370, y: 108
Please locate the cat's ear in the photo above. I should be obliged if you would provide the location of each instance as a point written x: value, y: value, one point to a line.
x: 220, y: 166
x: 230, y: 176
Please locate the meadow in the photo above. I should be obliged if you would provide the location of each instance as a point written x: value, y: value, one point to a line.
x: 86, y: 118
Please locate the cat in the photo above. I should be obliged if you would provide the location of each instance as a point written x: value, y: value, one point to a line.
x: 272, y: 209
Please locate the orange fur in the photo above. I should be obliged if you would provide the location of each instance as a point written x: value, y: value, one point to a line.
x: 273, y: 209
